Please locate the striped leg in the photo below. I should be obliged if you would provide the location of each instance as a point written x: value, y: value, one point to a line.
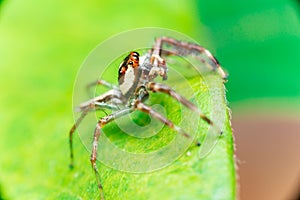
x: 101, y: 123
x: 72, y: 130
x: 84, y: 111
x: 114, y: 96
x: 100, y: 82
x: 185, y: 49
x: 157, y: 87
x: 146, y: 109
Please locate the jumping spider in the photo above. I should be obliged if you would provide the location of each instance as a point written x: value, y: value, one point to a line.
x: 136, y: 78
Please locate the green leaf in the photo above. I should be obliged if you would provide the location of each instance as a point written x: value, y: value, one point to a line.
x: 42, y: 45
x: 189, y: 177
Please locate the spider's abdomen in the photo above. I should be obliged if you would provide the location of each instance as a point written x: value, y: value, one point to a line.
x: 129, y: 74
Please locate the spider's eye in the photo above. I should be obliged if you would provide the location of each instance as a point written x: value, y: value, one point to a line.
x: 135, y: 55
x: 130, y: 63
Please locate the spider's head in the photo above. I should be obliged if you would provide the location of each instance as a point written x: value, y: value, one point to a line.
x: 132, y: 60
x: 128, y: 73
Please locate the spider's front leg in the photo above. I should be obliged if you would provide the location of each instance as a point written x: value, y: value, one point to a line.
x: 146, y: 109
x: 184, y: 49
x: 158, y: 87
x: 101, y: 123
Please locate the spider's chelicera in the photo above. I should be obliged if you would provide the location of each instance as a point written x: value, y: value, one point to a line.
x: 136, y: 79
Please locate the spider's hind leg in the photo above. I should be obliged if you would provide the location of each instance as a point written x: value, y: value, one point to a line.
x: 101, y: 123
x: 72, y: 130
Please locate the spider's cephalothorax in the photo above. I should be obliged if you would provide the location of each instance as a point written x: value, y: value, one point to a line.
x: 136, y: 80
x: 129, y: 74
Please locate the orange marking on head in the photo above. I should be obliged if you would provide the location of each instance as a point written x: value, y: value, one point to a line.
x: 123, y: 70
x: 133, y: 59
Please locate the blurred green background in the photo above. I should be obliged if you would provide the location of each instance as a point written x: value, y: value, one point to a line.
x: 43, y: 44
x: 258, y: 42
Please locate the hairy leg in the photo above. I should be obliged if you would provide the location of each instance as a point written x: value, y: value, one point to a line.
x: 101, y: 123
x: 158, y: 87
x: 184, y: 49
x: 146, y: 109
x: 90, y: 106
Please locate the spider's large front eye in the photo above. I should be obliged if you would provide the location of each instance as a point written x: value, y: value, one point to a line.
x: 135, y: 55
x: 134, y: 59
